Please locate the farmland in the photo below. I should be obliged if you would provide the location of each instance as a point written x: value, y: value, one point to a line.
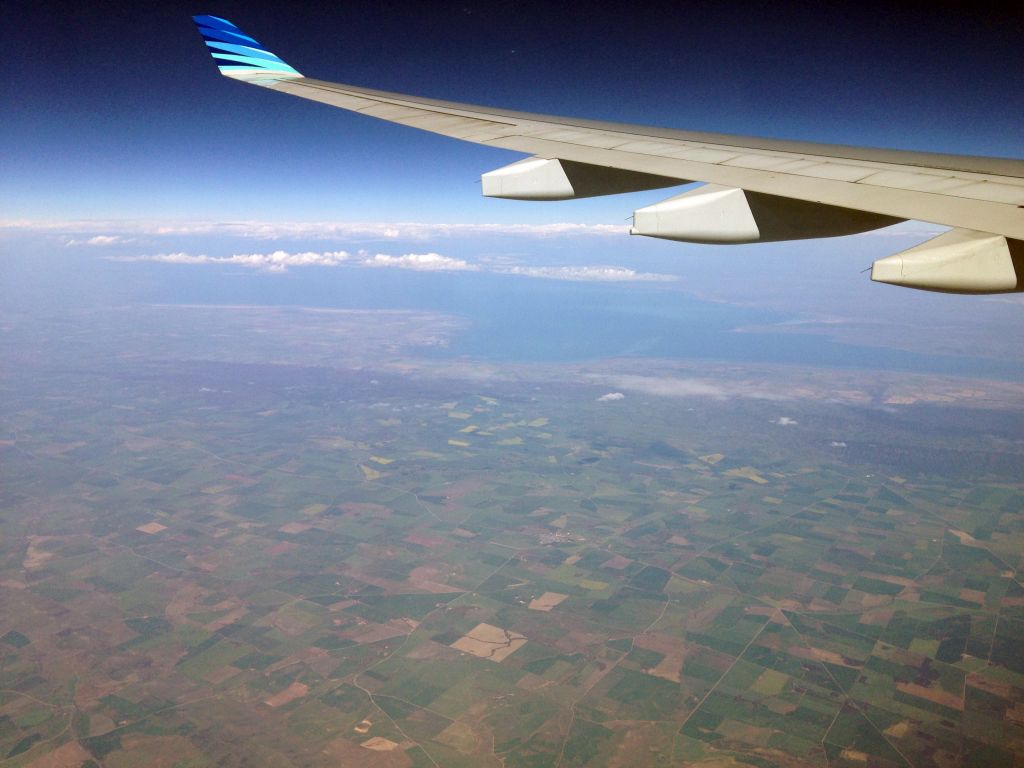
x: 307, y: 540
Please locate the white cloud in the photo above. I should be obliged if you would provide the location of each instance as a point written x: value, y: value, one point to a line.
x: 610, y: 397
x: 281, y: 261
x: 108, y: 233
x: 101, y: 240
x: 277, y: 261
x: 673, y: 386
x: 602, y: 274
x: 420, y: 261
x: 101, y: 234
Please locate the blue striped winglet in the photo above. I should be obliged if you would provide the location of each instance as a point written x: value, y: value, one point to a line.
x: 240, y: 56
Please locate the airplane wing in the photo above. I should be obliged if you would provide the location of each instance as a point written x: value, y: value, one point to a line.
x: 755, y: 190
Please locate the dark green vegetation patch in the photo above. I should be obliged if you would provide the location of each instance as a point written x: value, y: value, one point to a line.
x: 15, y: 638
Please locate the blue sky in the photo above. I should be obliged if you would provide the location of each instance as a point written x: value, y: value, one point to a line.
x: 119, y: 140
x: 115, y: 110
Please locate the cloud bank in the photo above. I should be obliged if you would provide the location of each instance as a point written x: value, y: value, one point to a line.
x: 281, y: 261
x: 117, y: 234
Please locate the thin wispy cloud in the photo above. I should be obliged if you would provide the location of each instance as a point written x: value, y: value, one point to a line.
x: 599, y: 274
x: 262, y: 230
x: 683, y: 387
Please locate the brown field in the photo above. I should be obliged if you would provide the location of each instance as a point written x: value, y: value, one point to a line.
x: 965, y: 538
x: 459, y: 736
x: 673, y: 649
x: 430, y: 578
x: 371, y: 632
x: 897, y: 580
x: 153, y: 752
x: 424, y: 540
x: 944, y: 698
x: 289, y: 694
x: 490, y: 642
x: 751, y: 734
x: 70, y: 755
x: 899, y: 730
x: 34, y: 556
x: 878, y: 618
x: 353, y: 755
x: 380, y: 744
x: 546, y: 602
x: 973, y: 596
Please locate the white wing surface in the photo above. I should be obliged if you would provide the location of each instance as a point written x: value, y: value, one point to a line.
x: 756, y: 190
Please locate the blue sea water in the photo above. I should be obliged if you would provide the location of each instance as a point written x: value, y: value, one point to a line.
x: 512, y: 318
x: 508, y: 318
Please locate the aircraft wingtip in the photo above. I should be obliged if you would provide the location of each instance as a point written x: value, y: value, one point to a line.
x: 239, y: 55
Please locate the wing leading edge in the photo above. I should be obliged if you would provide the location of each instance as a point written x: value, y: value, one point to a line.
x: 756, y: 190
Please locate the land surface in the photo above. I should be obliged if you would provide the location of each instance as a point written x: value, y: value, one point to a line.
x: 242, y: 536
